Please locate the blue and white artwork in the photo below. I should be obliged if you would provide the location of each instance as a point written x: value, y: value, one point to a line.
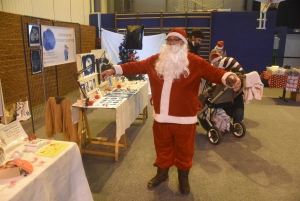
x: 88, y: 63
x: 49, y: 40
x: 58, y: 45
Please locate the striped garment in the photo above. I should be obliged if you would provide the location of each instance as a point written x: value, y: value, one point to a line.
x: 230, y: 64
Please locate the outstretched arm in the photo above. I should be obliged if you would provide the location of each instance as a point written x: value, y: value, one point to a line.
x: 107, y: 73
x: 233, y: 81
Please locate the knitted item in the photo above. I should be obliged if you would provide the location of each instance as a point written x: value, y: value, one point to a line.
x: 230, y: 64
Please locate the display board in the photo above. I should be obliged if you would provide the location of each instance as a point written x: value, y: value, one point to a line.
x: 58, y: 45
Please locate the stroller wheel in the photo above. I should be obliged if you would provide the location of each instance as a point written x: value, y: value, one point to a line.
x: 214, y: 135
x: 238, y: 129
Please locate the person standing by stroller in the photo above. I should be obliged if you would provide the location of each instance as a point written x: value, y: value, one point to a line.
x: 236, y: 110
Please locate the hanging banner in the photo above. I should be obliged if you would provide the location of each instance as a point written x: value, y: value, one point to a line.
x: 58, y: 45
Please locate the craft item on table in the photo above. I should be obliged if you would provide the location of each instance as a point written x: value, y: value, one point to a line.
x: 123, y: 78
x: 24, y: 165
x: 17, y: 155
x: 291, y: 83
x: 15, y: 168
x: 272, y: 69
x: 97, y: 96
x: 52, y: 150
x: 34, y: 145
x: 91, y: 103
x: 109, y: 81
x: 265, y: 75
x: 120, y: 95
x: 31, y: 137
x: 9, y: 170
x: 119, y: 86
x: 108, y: 101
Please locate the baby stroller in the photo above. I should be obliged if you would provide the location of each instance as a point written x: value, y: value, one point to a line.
x: 212, y: 100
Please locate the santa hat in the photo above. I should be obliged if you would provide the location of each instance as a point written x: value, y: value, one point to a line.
x: 220, y: 45
x: 215, y: 57
x: 180, y: 33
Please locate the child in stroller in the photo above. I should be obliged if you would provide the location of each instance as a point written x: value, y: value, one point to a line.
x: 213, y: 117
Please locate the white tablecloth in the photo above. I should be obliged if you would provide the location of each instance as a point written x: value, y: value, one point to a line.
x: 61, y: 178
x: 126, y: 112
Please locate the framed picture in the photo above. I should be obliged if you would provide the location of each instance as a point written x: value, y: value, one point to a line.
x: 34, y: 34
x: 88, y: 63
x: 36, y: 63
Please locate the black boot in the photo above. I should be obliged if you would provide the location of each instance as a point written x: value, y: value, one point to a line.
x: 183, y: 177
x: 162, y: 175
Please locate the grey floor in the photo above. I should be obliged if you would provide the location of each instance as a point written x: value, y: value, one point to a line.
x: 264, y: 165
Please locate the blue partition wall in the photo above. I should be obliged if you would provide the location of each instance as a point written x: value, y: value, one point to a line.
x: 252, y: 47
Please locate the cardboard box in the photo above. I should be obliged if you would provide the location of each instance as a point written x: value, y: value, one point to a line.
x: 295, y: 96
x: 10, y: 172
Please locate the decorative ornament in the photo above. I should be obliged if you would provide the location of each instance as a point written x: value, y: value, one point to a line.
x: 17, y: 155
x: 31, y: 137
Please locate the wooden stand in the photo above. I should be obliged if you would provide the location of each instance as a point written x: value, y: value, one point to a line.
x: 84, y: 129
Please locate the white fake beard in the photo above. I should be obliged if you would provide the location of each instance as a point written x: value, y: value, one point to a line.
x: 172, y: 62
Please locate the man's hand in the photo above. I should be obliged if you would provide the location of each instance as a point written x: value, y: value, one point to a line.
x: 234, y: 81
x: 107, y: 73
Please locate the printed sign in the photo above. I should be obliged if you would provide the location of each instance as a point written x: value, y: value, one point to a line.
x: 58, y: 45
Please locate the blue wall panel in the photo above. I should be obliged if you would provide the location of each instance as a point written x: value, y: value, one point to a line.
x: 108, y: 22
x: 252, y: 47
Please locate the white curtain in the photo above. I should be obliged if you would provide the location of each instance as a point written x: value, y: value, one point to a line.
x: 111, y: 41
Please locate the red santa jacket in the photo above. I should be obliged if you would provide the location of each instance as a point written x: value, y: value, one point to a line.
x: 177, y: 101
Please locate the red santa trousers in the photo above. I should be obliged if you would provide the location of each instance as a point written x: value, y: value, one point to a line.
x: 174, y: 144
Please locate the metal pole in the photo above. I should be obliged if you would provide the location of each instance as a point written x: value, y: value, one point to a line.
x: 26, y: 67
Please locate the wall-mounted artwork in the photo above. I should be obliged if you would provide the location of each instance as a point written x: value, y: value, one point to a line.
x: 88, y: 62
x: 36, y: 63
x: 34, y: 34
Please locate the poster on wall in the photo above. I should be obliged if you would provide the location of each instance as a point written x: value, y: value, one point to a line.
x: 36, y: 61
x: 34, y: 33
x: 58, y: 45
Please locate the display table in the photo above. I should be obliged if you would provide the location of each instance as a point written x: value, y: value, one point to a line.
x: 279, y: 81
x: 58, y: 178
x: 126, y: 113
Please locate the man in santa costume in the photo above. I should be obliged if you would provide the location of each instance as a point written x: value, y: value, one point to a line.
x: 175, y: 76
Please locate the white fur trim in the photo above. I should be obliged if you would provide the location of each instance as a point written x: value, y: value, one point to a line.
x: 165, y: 98
x: 118, y: 69
x: 178, y: 35
x: 216, y: 59
x: 219, y: 48
x: 165, y: 118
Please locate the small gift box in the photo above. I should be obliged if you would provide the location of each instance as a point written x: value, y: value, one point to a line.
x: 34, y: 145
